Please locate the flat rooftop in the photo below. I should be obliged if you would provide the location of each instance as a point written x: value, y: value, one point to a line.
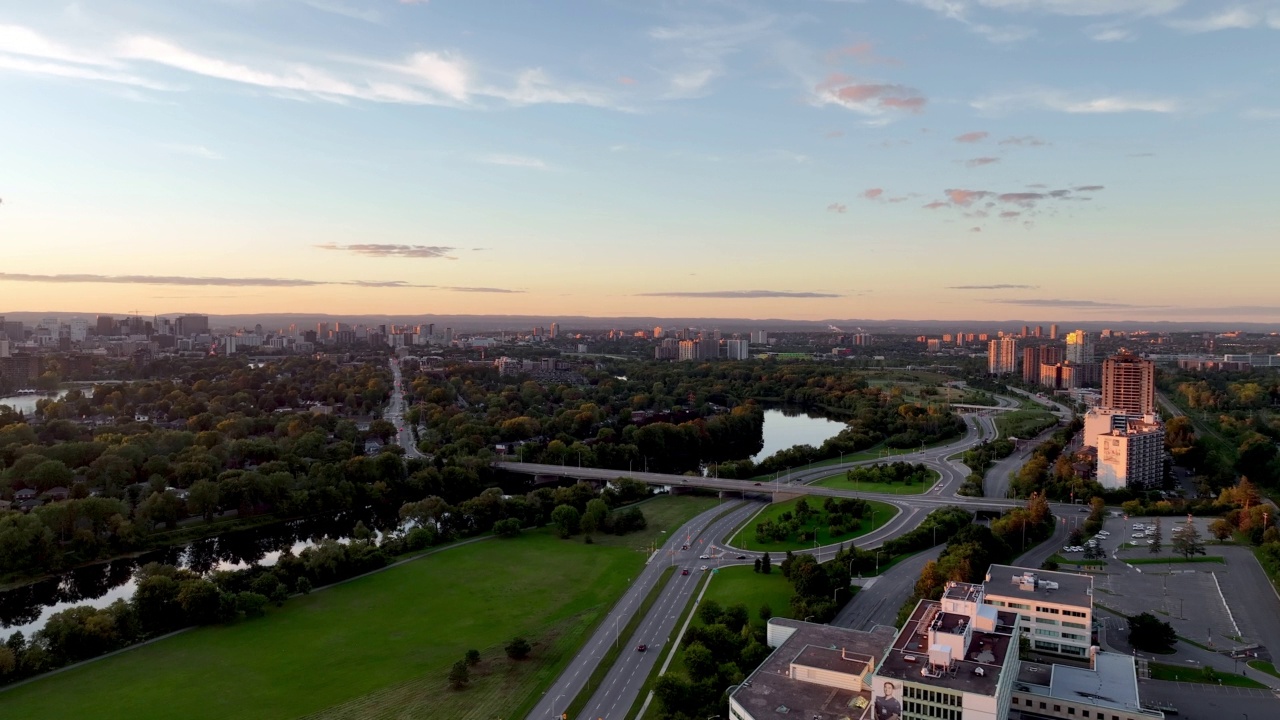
x: 967, y: 592
x: 1052, y: 586
x: 1111, y: 684
x: 770, y: 688
x: 984, y: 658
x: 837, y: 659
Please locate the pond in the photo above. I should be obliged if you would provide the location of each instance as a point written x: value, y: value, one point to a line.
x: 788, y: 427
x: 25, y: 609
x: 27, y: 403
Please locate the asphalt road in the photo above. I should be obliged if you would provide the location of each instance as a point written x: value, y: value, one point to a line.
x: 878, y: 602
x: 622, y: 684
x: 395, y: 414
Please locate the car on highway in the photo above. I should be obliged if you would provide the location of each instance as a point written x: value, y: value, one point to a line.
x: 684, y: 571
x: 704, y: 567
x: 641, y: 647
x: 704, y: 557
x: 742, y: 557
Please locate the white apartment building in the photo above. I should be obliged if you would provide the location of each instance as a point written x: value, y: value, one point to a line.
x: 1056, y: 608
x: 738, y: 349
x: 1132, y: 457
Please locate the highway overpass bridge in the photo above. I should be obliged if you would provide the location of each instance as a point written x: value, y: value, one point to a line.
x: 777, y: 490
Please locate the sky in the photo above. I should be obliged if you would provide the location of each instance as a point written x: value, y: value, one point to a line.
x: 803, y: 159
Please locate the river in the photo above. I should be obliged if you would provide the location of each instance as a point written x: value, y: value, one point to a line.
x: 27, y: 403
x: 787, y: 427
x: 27, y: 608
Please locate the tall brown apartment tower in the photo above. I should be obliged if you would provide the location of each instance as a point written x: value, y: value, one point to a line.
x: 1129, y: 384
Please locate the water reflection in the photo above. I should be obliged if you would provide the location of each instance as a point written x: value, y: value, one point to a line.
x: 28, y: 607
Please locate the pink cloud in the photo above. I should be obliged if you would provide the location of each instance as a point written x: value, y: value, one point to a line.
x: 1089, y: 188
x: 837, y: 207
x: 844, y: 90
x: 972, y: 137
x: 965, y: 198
x: 978, y: 162
x: 975, y: 229
x: 873, y: 193
x: 935, y: 205
x: 1010, y: 214
x: 627, y: 80
x: 834, y: 134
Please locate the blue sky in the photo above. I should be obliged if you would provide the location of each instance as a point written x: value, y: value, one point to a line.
x: 949, y: 159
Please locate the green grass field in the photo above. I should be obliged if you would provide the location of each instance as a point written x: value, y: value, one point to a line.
x: 839, y: 480
x: 741, y: 584
x: 1024, y: 424
x: 745, y: 537
x: 1264, y: 666
x: 379, y: 646
x: 1160, y: 671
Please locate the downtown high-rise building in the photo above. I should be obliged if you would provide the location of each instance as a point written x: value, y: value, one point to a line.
x: 1053, y: 331
x: 1080, y: 349
x: 1129, y: 384
x: 1002, y: 355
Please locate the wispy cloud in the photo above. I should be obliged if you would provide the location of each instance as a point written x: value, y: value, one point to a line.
x: 521, y: 161
x: 1232, y: 18
x: 739, y: 294
x: 500, y: 291
x: 401, y: 251
x: 872, y: 193
x: 1024, y: 140
x: 965, y: 198
x: 1261, y: 114
x: 1062, y: 303
x: 1108, y: 33
x: 199, y: 151
x: 1000, y: 286
x: 861, y: 52
x: 867, y: 98
x: 837, y: 207
x: 972, y: 137
x: 336, y: 8
x: 1059, y: 101
x: 73, y: 278
x: 980, y: 161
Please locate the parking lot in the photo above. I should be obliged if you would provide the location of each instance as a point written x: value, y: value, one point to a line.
x: 1198, y: 599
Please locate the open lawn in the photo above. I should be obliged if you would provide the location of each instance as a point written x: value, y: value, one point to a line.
x: 840, y: 480
x: 745, y: 537
x: 1024, y: 424
x: 742, y: 584
x: 1160, y: 671
x: 379, y: 646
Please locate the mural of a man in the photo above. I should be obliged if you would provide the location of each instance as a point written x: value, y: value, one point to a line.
x: 888, y: 707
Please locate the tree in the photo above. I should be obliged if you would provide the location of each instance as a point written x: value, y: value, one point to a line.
x: 459, y: 676
x: 766, y: 613
x: 710, y: 611
x: 202, y: 499
x: 252, y: 604
x: 766, y: 564
x: 473, y: 657
x: 1147, y: 632
x: 1186, y: 541
x: 1157, y: 538
x: 1221, y: 528
x: 566, y: 520
x: 518, y: 648
x: 302, y: 586
x: 507, y: 528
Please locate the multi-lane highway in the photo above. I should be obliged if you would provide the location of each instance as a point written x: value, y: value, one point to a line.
x: 614, y: 696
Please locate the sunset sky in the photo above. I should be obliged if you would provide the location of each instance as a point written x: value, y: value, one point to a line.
x: 916, y: 159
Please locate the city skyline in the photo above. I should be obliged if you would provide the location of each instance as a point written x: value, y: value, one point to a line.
x: 973, y: 161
